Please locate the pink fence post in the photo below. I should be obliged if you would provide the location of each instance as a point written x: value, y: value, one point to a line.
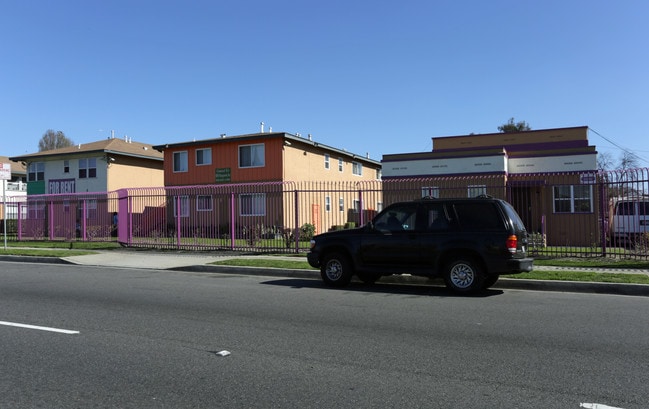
x: 124, y: 224
x: 297, y: 221
x: 232, y: 229
x: 20, y: 222
x: 178, y: 215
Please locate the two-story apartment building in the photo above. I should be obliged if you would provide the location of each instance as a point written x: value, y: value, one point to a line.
x: 58, y: 179
x: 262, y: 172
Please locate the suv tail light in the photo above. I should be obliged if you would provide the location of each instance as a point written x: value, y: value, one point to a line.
x: 511, y: 243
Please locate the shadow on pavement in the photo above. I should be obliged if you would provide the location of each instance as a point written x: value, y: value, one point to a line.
x: 382, y: 288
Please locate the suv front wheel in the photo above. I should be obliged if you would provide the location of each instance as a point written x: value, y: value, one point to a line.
x: 336, y: 270
x: 463, y: 276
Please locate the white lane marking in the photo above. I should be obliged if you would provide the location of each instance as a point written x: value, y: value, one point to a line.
x: 597, y: 406
x: 59, y: 330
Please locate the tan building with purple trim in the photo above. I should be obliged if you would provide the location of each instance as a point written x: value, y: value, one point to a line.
x: 548, y: 175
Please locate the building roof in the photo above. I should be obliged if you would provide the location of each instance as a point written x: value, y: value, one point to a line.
x: 17, y: 168
x: 266, y: 135
x: 113, y: 146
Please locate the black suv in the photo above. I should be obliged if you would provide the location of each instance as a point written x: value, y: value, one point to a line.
x: 469, y: 242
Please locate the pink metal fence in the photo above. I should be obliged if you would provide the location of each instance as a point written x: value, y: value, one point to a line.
x: 567, y: 214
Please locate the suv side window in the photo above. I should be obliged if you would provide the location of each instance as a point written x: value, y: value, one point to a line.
x: 397, y: 219
x: 437, y: 218
x: 479, y: 216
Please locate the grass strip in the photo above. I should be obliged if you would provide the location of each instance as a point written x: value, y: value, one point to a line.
x: 44, y: 252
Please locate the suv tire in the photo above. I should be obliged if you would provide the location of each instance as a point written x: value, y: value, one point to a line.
x: 463, y: 276
x: 336, y: 270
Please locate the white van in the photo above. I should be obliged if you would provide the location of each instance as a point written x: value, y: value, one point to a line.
x: 630, y: 219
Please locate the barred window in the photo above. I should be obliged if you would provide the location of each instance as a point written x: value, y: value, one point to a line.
x: 573, y: 199
x: 252, y: 204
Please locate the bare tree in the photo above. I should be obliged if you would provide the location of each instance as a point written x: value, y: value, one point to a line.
x: 53, y: 140
x: 604, y: 161
x: 628, y: 160
x: 512, y: 126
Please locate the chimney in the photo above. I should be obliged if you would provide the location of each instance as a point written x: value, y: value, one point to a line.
x: 261, y: 126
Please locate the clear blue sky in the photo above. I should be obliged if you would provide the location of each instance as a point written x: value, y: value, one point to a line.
x: 368, y: 76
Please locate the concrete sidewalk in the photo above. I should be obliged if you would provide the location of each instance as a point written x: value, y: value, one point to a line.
x: 200, y: 262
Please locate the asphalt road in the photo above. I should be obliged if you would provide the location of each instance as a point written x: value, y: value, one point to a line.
x: 151, y: 339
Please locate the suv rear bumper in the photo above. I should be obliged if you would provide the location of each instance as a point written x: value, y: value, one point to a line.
x: 520, y: 265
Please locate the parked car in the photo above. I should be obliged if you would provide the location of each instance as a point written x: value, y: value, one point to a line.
x: 469, y: 242
x: 630, y: 220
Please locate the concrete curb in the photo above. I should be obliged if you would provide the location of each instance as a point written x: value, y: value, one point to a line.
x: 504, y: 283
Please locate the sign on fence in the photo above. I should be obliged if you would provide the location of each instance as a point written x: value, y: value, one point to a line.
x: 5, y: 171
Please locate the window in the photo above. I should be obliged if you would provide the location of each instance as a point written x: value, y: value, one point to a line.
x: 180, y: 161
x: 36, y: 210
x: 379, y: 206
x: 91, y: 209
x: 357, y: 205
x: 87, y: 168
x: 431, y: 191
x: 378, y: 174
x: 66, y: 166
x: 36, y: 171
x: 252, y: 204
x: 327, y: 203
x: 184, y: 206
x: 341, y: 204
x: 251, y: 156
x: 326, y: 162
x: 357, y: 168
x: 476, y: 190
x: 204, y: 203
x: 573, y: 199
x: 340, y: 165
x: 203, y: 156
x: 479, y: 216
x: 397, y: 219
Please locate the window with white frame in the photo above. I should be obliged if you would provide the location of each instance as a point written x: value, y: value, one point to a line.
x: 36, y: 171
x: 203, y: 156
x: 341, y: 165
x: 341, y: 204
x: 327, y: 203
x: 573, y: 199
x: 87, y: 168
x: 476, y: 190
x: 326, y: 161
x: 204, y: 203
x: 252, y: 156
x: 430, y: 191
x: 66, y: 166
x: 379, y: 175
x: 36, y: 209
x: 91, y: 209
x: 183, y: 201
x: 357, y: 168
x: 180, y: 161
x: 252, y: 204
x: 379, y: 206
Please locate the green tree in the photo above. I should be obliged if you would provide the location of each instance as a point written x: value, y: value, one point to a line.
x: 512, y: 126
x: 53, y: 140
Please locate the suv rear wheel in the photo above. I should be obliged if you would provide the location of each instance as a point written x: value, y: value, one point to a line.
x: 336, y: 270
x: 463, y: 275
